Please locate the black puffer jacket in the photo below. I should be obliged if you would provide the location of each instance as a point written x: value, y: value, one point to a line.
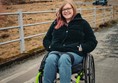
x: 67, y: 38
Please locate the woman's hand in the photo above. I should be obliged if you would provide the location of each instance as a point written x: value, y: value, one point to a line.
x: 80, y: 48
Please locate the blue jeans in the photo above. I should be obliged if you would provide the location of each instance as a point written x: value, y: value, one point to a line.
x: 61, y: 62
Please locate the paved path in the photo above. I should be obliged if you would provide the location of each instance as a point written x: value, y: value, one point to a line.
x: 105, y: 55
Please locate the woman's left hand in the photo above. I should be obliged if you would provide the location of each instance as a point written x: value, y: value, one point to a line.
x: 79, y: 48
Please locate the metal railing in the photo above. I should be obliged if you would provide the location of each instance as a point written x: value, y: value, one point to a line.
x: 21, y: 26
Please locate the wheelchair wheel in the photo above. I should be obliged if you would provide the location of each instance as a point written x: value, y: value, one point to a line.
x: 89, y: 69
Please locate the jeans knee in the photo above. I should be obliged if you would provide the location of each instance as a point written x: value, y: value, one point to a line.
x: 64, y: 60
x: 51, y: 59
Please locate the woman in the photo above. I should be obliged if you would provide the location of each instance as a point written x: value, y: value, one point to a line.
x: 68, y: 39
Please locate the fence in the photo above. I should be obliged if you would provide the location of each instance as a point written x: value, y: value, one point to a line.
x: 106, y: 14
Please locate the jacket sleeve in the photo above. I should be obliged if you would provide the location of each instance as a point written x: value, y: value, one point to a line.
x: 48, y: 37
x: 90, y: 41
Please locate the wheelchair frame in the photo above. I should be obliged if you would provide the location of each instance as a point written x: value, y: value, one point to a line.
x: 85, y: 73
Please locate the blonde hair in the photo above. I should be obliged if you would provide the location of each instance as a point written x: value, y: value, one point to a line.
x: 60, y: 19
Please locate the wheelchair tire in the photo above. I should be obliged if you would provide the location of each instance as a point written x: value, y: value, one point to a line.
x: 39, y: 78
x: 89, y: 69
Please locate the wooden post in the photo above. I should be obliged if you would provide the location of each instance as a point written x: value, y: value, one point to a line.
x: 104, y: 15
x: 112, y: 13
x: 94, y: 16
x: 21, y: 31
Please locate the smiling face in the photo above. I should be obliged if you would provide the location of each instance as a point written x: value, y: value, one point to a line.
x: 67, y: 12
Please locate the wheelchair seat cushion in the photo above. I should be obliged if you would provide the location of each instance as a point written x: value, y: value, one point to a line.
x: 77, y: 68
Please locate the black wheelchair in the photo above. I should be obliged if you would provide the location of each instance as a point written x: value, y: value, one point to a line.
x: 84, y: 71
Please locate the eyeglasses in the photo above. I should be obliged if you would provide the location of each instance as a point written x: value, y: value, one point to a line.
x: 66, y: 9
